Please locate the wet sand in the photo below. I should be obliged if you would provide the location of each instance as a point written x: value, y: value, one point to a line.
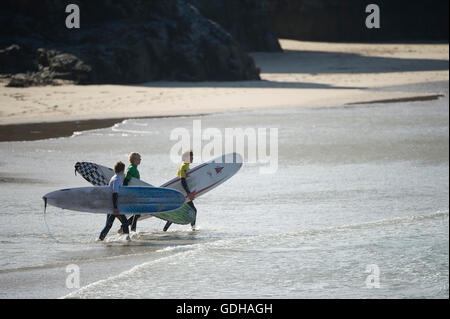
x: 44, y: 130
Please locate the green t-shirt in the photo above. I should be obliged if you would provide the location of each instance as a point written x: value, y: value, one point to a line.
x: 132, y: 171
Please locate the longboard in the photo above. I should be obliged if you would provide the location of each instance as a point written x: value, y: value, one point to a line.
x: 207, y: 176
x: 131, y: 200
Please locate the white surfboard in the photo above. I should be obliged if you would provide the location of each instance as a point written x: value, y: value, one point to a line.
x: 207, y: 176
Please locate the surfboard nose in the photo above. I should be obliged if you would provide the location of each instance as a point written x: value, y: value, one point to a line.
x: 238, y: 158
x: 232, y: 158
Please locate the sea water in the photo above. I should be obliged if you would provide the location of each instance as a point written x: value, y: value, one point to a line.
x: 358, y: 208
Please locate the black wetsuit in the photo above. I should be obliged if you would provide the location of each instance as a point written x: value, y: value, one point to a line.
x: 114, y: 182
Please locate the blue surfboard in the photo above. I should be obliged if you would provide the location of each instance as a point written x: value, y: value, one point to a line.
x: 131, y: 200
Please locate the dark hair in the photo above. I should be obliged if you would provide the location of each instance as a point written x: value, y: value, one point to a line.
x: 119, y: 167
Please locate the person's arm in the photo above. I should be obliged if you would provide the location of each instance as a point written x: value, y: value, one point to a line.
x: 127, y: 178
x: 185, y: 185
x: 115, y: 197
x: 186, y: 188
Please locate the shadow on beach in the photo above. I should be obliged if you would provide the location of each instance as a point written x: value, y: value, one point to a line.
x: 295, y: 61
x: 315, y: 63
x: 261, y: 84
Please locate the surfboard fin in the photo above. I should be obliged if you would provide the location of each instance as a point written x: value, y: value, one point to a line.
x: 166, y: 227
x: 45, y: 220
x: 45, y: 204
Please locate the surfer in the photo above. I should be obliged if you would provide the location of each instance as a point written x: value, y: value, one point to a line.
x: 187, y: 159
x: 132, y: 171
x: 115, y: 183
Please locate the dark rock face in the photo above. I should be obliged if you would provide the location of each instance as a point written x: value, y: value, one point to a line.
x: 337, y: 20
x: 129, y: 41
x: 14, y: 59
x: 248, y: 21
x: 29, y: 67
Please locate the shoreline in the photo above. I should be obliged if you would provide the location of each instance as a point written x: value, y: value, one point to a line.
x: 306, y: 74
x: 46, y: 130
x: 22, y: 132
x: 416, y: 98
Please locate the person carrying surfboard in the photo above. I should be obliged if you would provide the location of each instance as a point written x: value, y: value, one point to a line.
x: 115, y: 183
x: 187, y: 158
x: 132, y: 171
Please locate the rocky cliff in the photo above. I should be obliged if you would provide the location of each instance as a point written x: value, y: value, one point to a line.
x: 118, y: 41
x: 337, y: 20
x: 248, y: 21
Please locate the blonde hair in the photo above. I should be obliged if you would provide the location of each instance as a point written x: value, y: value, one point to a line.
x: 187, y: 156
x: 133, y: 156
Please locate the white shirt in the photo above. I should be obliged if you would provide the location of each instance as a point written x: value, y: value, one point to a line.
x: 115, y: 182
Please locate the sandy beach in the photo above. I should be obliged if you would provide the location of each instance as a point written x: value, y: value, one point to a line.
x: 305, y: 74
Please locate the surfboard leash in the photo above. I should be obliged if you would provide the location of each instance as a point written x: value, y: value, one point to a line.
x: 45, y: 221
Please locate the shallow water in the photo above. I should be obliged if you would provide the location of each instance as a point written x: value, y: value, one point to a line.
x: 357, y: 188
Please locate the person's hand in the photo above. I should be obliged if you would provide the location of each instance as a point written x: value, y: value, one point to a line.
x: 191, y: 196
x: 116, y: 212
